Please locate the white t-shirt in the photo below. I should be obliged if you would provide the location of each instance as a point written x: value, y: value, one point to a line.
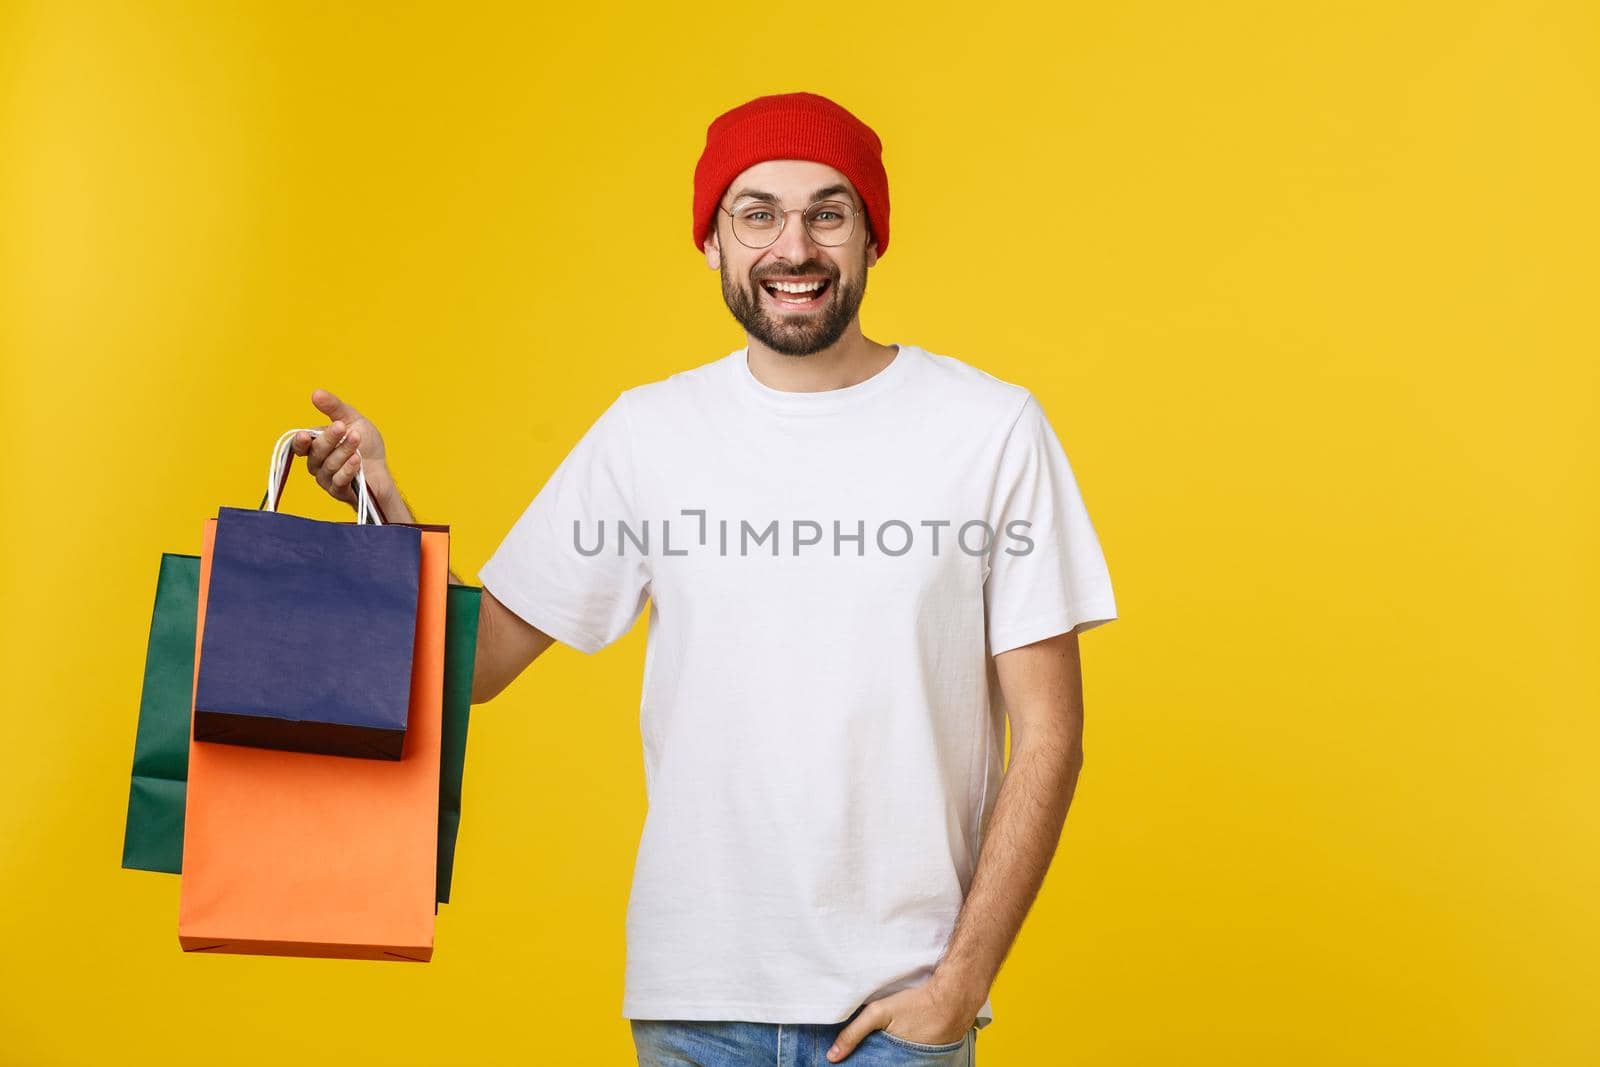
x: 823, y: 728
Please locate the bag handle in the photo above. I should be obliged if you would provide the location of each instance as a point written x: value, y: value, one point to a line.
x: 367, y: 510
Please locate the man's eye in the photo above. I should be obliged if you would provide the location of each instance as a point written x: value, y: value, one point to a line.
x: 757, y: 215
x: 825, y: 214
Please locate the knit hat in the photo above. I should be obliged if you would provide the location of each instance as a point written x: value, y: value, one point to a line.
x: 790, y: 126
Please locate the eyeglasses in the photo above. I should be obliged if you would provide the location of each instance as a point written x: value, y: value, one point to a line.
x: 758, y: 224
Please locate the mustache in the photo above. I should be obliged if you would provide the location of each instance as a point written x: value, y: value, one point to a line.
x: 802, y: 271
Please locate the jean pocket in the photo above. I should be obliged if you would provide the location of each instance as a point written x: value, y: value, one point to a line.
x: 918, y: 1046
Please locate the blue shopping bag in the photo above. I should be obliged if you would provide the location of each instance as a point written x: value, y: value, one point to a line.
x: 310, y: 629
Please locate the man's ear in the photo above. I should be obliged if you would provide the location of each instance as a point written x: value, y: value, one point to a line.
x: 713, y: 247
x: 872, y: 253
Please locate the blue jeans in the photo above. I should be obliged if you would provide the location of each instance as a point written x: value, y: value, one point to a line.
x: 690, y: 1043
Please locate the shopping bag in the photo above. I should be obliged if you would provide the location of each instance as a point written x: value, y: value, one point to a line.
x: 153, y: 834
x: 153, y: 837
x: 308, y: 632
x: 460, y: 659
x: 308, y: 854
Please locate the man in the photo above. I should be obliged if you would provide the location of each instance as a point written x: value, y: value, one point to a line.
x: 859, y: 559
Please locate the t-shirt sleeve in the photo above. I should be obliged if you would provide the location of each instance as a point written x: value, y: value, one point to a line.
x: 550, y: 573
x: 1046, y: 574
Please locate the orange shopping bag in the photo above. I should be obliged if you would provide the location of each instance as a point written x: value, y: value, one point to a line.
x: 303, y: 854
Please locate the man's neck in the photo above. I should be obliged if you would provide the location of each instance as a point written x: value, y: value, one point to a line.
x: 850, y: 360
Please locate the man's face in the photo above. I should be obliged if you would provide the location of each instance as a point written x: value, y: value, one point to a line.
x: 793, y: 327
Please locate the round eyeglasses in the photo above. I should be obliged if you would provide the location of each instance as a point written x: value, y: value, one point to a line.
x: 758, y: 224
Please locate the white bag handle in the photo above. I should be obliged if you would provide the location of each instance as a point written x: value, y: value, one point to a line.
x: 283, y: 456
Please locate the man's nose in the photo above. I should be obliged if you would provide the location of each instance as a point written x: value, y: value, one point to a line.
x: 794, y: 243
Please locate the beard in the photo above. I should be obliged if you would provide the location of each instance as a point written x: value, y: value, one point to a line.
x: 796, y: 333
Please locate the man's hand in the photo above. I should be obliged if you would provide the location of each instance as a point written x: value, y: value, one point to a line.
x: 930, y: 1014
x: 332, y: 459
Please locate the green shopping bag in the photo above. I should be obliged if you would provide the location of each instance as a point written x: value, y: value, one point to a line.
x: 460, y: 658
x: 153, y: 840
x: 153, y: 835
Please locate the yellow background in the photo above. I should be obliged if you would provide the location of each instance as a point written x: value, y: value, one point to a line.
x: 1307, y: 291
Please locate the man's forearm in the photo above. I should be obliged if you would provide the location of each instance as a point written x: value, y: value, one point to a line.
x: 1017, y: 849
x: 396, y: 508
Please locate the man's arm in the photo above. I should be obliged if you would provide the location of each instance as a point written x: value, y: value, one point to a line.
x: 507, y: 644
x: 1042, y: 684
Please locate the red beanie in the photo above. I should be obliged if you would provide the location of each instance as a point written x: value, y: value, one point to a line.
x: 790, y: 126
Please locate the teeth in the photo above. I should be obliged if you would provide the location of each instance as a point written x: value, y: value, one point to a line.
x: 795, y: 287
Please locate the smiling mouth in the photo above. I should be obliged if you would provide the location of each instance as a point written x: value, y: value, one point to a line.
x: 811, y: 297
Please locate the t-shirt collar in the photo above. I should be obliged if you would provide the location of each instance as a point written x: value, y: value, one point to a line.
x: 825, y: 399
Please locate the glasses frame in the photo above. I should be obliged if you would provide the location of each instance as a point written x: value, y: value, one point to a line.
x: 855, y: 214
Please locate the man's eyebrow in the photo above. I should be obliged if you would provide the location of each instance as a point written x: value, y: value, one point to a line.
x: 820, y: 194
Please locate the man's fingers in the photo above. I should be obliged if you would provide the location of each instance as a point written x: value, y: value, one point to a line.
x: 341, y: 454
x: 333, y: 407
x: 852, y: 1035
x: 325, y: 443
x: 347, y: 473
x: 331, y: 452
x: 326, y: 402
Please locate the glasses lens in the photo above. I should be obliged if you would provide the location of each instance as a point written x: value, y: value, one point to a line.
x: 830, y: 222
x: 756, y: 225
